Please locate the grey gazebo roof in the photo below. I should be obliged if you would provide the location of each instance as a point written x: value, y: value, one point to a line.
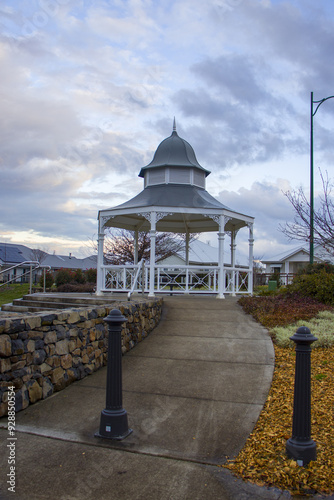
x: 188, y: 208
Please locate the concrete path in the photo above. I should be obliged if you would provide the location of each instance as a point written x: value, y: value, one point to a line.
x: 193, y: 391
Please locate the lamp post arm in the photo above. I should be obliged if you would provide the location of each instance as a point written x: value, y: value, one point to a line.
x: 319, y: 103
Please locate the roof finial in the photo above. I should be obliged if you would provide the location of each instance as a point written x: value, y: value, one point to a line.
x: 174, y: 125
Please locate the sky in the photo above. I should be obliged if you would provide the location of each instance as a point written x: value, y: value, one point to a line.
x: 89, y: 89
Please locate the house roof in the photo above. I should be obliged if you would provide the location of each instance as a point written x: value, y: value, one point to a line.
x: 319, y: 253
x: 11, y: 253
x: 70, y: 262
x: 200, y: 252
x: 284, y: 255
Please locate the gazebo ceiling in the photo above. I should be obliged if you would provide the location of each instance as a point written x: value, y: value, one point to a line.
x: 175, y: 222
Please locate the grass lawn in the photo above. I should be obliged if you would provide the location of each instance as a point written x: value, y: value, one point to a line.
x: 13, y: 291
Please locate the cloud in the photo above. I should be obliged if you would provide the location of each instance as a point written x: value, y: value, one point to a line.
x: 89, y: 89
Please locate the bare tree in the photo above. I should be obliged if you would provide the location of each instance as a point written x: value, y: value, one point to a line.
x: 38, y: 255
x: 323, y: 217
x: 119, y: 246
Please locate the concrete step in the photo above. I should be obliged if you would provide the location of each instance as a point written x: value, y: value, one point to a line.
x: 46, y: 304
x: 68, y: 298
x: 22, y: 309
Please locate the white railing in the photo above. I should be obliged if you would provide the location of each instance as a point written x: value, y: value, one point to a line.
x: 176, y: 279
x: 140, y: 269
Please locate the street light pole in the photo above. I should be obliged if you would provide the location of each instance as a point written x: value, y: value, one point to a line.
x: 311, y: 173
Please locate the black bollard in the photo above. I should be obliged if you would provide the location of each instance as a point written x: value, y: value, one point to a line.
x: 300, y: 446
x: 114, y: 419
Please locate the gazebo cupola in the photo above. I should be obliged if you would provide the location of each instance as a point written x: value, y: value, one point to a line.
x: 174, y: 162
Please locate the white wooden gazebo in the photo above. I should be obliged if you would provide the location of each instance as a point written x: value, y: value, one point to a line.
x: 174, y: 199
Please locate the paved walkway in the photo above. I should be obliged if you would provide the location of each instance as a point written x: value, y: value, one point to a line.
x: 193, y: 391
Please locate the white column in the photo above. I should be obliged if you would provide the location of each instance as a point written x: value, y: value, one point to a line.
x: 135, y: 248
x: 100, y: 275
x: 250, y: 266
x: 187, y: 248
x: 221, y: 241
x: 187, y: 262
x: 233, y: 248
x: 152, y: 253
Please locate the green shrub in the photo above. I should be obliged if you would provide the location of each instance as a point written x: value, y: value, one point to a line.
x: 63, y: 276
x: 91, y: 275
x: 76, y: 288
x: 79, y: 277
x: 317, y: 268
x: 317, y: 284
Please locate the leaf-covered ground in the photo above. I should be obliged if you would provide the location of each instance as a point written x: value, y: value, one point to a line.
x: 263, y: 459
x: 281, y: 310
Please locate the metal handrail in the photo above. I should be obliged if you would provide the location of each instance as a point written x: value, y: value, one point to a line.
x: 141, y: 267
x: 30, y: 271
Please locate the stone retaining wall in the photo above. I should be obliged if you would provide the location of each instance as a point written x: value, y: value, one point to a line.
x: 45, y: 352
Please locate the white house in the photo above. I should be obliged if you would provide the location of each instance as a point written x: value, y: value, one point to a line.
x: 294, y: 260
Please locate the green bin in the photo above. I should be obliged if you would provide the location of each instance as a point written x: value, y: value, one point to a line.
x: 272, y: 285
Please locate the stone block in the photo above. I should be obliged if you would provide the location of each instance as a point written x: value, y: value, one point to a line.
x: 14, y: 325
x: 57, y: 374
x: 89, y: 369
x: 49, y: 360
x: 22, y: 398
x: 73, y: 332
x: 52, y: 349
x: 17, y: 383
x: 47, y: 319
x: 50, y: 338
x: 97, y: 353
x: 39, y: 344
x: 18, y: 365
x: 66, y: 361
x: 72, y: 345
x: 5, y: 365
x: 45, y: 368
x: 32, y: 322
x: 5, y: 345
x: 72, y: 375
x: 39, y: 357
x: 17, y: 346
x: 85, y: 359
x: 34, y: 390
x: 47, y: 388
x: 73, y: 317
x: 61, y: 332
x: 62, y: 347
x: 29, y: 345
x: 56, y: 361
